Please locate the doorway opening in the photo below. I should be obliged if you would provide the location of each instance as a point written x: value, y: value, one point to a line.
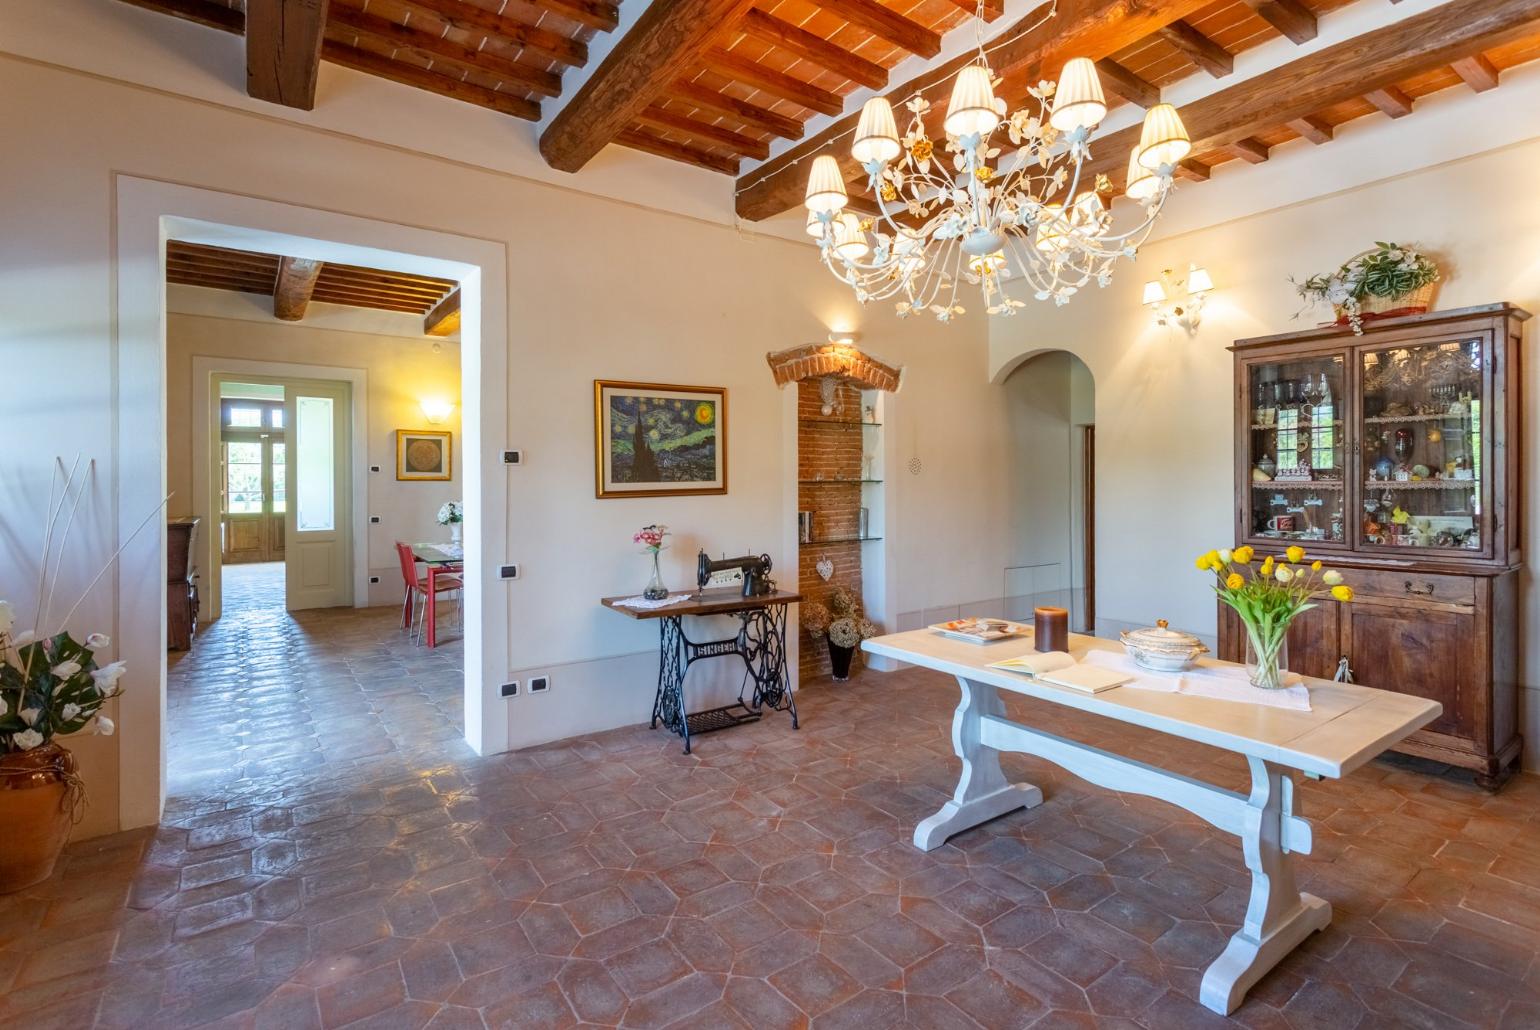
x: 152, y: 217
x: 1052, y: 413
x: 253, y: 489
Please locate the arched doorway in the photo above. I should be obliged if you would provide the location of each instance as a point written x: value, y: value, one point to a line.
x: 1051, y: 411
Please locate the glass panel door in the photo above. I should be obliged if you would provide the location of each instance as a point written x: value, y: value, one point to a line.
x: 1295, y: 453
x: 315, y: 476
x: 1423, y: 427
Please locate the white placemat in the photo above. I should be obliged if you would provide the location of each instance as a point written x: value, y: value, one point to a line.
x: 1221, y: 682
x: 647, y: 605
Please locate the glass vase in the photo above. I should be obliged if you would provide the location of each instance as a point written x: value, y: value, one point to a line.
x: 655, y: 591
x: 1267, y: 658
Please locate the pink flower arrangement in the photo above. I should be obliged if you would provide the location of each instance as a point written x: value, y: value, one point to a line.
x: 650, y: 537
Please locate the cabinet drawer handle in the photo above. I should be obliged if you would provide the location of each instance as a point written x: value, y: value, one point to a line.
x: 1425, y: 589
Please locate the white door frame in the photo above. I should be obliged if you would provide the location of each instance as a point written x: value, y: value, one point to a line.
x: 148, y: 212
x: 205, y: 482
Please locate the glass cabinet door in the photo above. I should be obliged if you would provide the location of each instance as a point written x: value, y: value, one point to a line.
x: 1423, y: 422
x: 1295, y: 452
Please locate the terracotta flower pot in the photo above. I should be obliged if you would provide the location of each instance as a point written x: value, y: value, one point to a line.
x: 35, y: 813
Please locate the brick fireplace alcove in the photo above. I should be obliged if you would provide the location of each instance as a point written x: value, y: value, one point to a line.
x: 842, y: 398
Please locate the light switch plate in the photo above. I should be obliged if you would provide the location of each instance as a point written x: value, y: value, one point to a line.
x: 508, y: 572
x: 539, y: 684
x: 513, y: 457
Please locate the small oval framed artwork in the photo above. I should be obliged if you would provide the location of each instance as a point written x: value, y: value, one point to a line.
x: 424, y: 454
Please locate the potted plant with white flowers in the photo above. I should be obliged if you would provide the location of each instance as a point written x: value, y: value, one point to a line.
x: 452, y: 514
x: 1388, y: 280
x: 49, y: 687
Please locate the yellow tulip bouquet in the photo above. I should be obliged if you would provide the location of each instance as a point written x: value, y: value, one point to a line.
x: 1269, y: 597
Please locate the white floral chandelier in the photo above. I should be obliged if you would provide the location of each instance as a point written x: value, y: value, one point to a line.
x: 1000, y: 215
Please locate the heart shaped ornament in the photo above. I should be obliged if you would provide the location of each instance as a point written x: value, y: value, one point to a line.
x: 825, y: 568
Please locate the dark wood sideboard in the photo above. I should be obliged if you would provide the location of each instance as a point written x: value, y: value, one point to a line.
x: 1396, y: 456
x: 181, y: 584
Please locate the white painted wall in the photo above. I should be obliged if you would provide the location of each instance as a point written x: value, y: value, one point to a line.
x: 1163, y: 404
x: 401, y: 372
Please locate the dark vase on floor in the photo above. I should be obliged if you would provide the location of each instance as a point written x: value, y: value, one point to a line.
x: 839, y: 659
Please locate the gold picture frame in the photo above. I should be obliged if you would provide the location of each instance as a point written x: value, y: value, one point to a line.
x: 424, y: 455
x: 680, y: 432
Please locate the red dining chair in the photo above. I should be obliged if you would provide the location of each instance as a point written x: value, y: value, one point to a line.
x: 409, y: 576
x: 418, y: 610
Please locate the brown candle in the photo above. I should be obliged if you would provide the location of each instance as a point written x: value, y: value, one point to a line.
x: 1050, y: 629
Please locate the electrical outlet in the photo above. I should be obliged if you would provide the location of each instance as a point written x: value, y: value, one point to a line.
x: 374, y: 579
x: 508, y: 572
x: 374, y: 520
x: 509, y: 689
x: 539, y: 684
x: 374, y: 468
x: 513, y: 457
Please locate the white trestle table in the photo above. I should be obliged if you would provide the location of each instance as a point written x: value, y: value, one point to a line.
x: 1346, y: 727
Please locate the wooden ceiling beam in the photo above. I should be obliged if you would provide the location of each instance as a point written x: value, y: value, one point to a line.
x: 442, y: 49
x: 1477, y: 72
x: 887, y: 24
x: 596, y: 14
x: 737, y: 142
x: 283, y: 50
x: 1316, y: 130
x: 433, y: 82
x: 295, y: 284
x: 1375, y: 60
x: 255, y: 264
x: 1090, y: 28
x: 741, y: 69
x: 501, y: 29
x: 676, y: 151
x: 664, y: 45
x: 1192, y: 171
x: 1289, y: 17
x: 237, y: 285
x: 1391, y: 100
x: 184, y: 273
x: 753, y: 116
x: 444, y: 319
x: 767, y: 28
x: 1251, y: 150
x: 1198, y: 48
x: 1132, y: 88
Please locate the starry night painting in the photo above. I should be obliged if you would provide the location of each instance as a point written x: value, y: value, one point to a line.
x: 654, y: 440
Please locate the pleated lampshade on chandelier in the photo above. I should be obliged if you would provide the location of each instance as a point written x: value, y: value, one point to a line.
x: 992, y: 212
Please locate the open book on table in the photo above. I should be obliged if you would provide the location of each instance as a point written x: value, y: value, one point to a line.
x: 1061, y: 669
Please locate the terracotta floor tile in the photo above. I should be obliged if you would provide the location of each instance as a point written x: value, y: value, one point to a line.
x: 333, y: 850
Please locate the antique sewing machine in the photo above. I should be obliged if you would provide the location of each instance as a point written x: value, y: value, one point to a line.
x: 755, y: 569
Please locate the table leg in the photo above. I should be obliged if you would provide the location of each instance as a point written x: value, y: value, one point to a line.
x: 1278, y: 916
x: 762, y: 642
x: 982, y: 792
x: 432, y: 603
x: 668, y: 703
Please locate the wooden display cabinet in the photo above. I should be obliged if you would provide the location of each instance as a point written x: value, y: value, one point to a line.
x: 1396, y: 456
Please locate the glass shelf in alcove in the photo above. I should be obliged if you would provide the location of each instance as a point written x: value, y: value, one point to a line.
x: 839, y: 540
x: 839, y: 423
x: 835, y: 482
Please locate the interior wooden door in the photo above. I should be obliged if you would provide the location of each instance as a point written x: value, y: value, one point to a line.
x: 1420, y: 650
x: 245, y: 497
x: 318, y: 536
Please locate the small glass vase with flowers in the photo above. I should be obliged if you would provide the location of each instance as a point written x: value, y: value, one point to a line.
x: 1268, y: 597
x: 651, y: 539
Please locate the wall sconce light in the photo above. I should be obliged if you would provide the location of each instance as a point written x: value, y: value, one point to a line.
x: 843, y: 338
x: 437, y: 411
x: 1179, y: 301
